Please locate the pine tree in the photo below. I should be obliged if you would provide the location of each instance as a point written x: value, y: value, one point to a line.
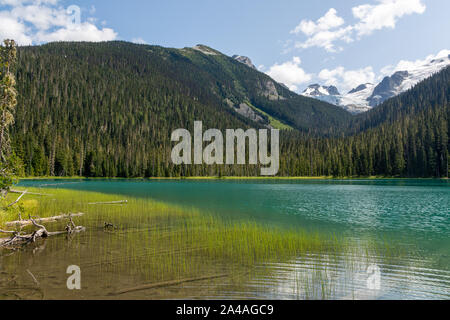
x: 8, y: 102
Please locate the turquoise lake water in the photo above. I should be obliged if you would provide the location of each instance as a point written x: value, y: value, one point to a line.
x: 411, y: 213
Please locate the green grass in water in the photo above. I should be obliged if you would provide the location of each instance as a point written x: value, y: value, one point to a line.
x: 156, y: 241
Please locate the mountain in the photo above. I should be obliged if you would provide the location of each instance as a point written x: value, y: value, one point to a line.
x: 258, y: 97
x: 108, y: 109
x: 402, y: 81
x: 316, y: 90
x: 323, y: 93
x: 244, y: 60
x: 353, y: 102
x: 387, y: 88
x: 367, y: 96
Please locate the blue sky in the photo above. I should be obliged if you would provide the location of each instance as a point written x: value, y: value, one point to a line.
x: 297, y: 42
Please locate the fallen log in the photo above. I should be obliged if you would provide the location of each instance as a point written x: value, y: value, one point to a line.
x: 23, y: 223
x: 57, y: 184
x: 30, y: 193
x: 110, y: 202
x: 19, y: 239
x: 167, y: 284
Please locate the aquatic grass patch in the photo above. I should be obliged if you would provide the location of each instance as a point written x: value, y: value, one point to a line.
x: 151, y: 221
x: 153, y: 241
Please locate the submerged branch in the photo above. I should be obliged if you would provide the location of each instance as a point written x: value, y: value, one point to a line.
x: 110, y: 202
x: 168, y: 283
x: 33, y: 277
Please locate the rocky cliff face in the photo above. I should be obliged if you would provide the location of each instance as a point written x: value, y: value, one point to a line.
x: 387, y: 88
x: 244, y: 60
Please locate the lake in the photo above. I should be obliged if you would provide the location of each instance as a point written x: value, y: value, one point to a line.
x: 411, y: 214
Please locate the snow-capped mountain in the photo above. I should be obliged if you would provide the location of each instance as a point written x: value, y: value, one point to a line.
x: 328, y: 94
x: 318, y: 90
x: 366, y: 96
x: 355, y: 101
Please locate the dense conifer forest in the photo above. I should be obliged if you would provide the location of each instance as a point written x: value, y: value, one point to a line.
x: 108, y: 110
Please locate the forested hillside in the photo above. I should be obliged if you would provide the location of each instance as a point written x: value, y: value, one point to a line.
x: 431, y: 93
x: 108, y: 110
x: 407, y: 136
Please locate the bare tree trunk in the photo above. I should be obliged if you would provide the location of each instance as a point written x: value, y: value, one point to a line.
x: 81, y: 162
x: 52, y: 159
x: 2, y: 133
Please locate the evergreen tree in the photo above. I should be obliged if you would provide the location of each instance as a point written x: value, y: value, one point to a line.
x: 8, y: 102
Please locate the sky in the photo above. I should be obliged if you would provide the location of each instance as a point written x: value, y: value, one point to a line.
x: 297, y: 42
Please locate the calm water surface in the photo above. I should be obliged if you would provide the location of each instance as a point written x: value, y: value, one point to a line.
x: 411, y: 213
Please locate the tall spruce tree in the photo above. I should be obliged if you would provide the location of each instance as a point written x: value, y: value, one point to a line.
x: 8, y: 102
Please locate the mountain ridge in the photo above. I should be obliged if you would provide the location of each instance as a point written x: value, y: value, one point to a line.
x: 367, y: 96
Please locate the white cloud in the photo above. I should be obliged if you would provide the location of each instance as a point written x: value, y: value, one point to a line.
x: 82, y: 32
x: 329, y: 29
x: 33, y: 22
x: 139, y: 40
x: 326, y: 39
x: 11, y: 28
x: 346, y: 80
x: 384, y: 15
x: 329, y: 21
x: 22, y: 2
x: 323, y: 33
x: 290, y: 73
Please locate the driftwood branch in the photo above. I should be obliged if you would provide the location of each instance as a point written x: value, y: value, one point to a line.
x: 40, y: 233
x: 18, y: 199
x: 73, y: 228
x: 30, y: 193
x: 110, y: 202
x: 168, y: 283
x: 6, y: 231
x: 23, y: 223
